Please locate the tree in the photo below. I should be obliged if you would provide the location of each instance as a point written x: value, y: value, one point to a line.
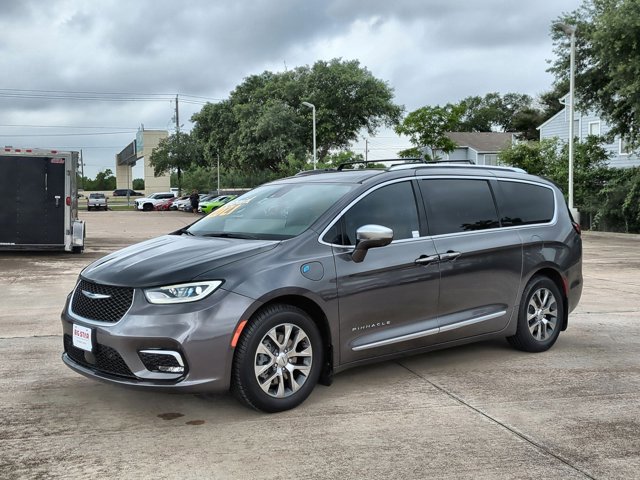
x: 549, y: 101
x: 104, y: 181
x: 511, y: 112
x: 263, y: 124
x: 607, y: 62
x: 138, y: 184
x: 178, y: 151
x: 426, y: 127
x: 550, y: 158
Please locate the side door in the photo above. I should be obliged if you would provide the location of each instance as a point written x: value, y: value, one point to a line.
x: 53, y: 222
x: 388, y: 302
x: 480, y: 263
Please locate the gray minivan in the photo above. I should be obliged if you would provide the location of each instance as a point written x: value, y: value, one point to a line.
x: 307, y: 276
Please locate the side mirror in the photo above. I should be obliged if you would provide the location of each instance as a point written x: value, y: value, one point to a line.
x: 370, y: 236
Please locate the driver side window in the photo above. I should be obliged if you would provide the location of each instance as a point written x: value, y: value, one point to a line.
x: 392, y: 206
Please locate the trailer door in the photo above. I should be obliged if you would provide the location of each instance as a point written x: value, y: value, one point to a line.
x: 37, y: 215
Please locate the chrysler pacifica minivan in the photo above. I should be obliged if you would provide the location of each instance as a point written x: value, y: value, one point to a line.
x: 307, y: 276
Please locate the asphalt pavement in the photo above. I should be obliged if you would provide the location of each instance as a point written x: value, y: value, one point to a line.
x: 477, y: 411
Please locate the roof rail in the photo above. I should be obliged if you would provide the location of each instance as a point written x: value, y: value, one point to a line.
x: 481, y: 167
x: 305, y: 173
x: 408, y: 163
x: 380, y: 160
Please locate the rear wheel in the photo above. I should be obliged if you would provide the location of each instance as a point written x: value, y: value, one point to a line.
x: 540, y: 316
x: 277, y: 360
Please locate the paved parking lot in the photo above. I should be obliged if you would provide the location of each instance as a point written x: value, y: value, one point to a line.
x: 478, y: 411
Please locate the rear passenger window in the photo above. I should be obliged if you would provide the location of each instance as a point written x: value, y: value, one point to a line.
x: 525, y: 203
x: 459, y: 205
x: 392, y: 206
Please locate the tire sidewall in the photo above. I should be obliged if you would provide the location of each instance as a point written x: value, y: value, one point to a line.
x: 244, y: 363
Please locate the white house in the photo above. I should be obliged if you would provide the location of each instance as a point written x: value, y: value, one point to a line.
x: 588, y: 124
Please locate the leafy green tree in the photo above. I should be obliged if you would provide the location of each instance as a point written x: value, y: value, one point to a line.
x: 549, y: 101
x: 104, y: 181
x: 178, y: 151
x: 526, y: 122
x: 607, y: 62
x: 512, y: 112
x: 263, y: 124
x: 138, y: 184
x: 426, y: 127
x: 609, y: 198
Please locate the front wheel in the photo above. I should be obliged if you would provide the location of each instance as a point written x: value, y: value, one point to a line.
x: 540, y: 316
x: 277, y: 360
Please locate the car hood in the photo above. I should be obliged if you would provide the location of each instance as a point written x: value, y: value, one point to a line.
x: 171, y: 259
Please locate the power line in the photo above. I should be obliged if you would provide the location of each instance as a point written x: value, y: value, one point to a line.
x: 65, y: 134
x: 71, y: 126
x: 100, y: 96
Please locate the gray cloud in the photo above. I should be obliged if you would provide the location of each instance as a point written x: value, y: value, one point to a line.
x: 429, y: 51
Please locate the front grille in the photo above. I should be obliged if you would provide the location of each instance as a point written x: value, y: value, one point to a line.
x: 104, y: 359
x: 110, y: 309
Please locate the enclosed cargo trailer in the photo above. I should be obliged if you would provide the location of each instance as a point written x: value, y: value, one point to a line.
x: 39, y: 200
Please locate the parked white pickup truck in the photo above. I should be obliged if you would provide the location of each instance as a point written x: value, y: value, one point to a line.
x: 97, y: 201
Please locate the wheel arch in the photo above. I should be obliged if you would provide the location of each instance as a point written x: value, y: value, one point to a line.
x: 556, y: 277
x: 319, y: 317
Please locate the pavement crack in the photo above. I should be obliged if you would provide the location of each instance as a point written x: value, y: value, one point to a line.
x: 24, y: 337
x: 495, y: 421
x: 612, y: 312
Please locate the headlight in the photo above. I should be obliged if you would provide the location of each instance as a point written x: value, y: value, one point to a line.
x: 183, y: 293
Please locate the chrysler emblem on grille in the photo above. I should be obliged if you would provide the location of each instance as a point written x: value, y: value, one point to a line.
x: 95, y: 296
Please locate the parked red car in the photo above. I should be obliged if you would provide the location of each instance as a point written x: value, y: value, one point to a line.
x: 164, y: 204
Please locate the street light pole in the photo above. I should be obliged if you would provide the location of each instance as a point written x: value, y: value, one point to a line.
x: 313, y: 110
x: 570, y: 31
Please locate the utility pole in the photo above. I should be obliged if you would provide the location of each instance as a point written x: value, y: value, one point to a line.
x: 82, y: 168
x: 218, y: 170
x: 177, y: 116
x: 366, y: 150
x: 178, y: 146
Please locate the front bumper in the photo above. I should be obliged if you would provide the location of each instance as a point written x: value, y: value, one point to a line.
x: 199, y: 332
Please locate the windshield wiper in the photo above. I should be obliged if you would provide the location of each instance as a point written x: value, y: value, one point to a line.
x: 231, y: 235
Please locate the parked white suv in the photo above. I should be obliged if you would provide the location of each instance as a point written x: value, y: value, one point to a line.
x: 147, y: 203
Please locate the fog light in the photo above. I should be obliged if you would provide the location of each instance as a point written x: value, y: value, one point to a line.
x: 162, y: 361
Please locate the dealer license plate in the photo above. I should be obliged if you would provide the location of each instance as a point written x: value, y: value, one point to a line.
x: 82, y: 338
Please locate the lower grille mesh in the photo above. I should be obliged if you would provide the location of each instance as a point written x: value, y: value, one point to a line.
x: 107, y: 360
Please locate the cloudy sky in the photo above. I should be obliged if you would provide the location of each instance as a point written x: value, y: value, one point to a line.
x: 85, y: 75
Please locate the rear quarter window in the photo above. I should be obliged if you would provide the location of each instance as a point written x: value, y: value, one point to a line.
x: 458, y: 205
x: 525, y: 203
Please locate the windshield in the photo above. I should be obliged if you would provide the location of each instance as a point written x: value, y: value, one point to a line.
x: 271, y: 211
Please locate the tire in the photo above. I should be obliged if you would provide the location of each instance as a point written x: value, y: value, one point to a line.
x: 540, y: 316
x: 147, y: 207
x: 265, y: 376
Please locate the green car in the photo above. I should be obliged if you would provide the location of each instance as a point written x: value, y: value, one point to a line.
x: 210, y: 205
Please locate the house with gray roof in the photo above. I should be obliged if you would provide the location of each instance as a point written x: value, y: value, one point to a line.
x: 588, y: 123
x: 481, y: 148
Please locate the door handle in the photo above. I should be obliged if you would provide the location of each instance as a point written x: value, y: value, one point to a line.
x: 57, y: 197
x: 445, y: 257
x: 427, y: 259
